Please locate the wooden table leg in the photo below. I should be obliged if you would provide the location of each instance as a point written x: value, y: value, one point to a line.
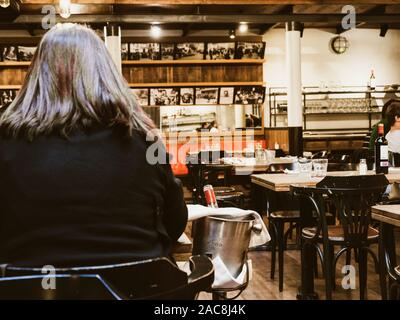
x: 306, y: 291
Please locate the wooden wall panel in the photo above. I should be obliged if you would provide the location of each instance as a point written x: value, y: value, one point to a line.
x: 280, y: 136
x: 12, y: 75
x: 192, y: 73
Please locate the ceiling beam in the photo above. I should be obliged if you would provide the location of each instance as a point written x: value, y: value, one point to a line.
x: 221, y: 2
x: 383, y: 30
x: 221, y: 19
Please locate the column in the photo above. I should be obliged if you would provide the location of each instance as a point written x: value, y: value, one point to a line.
x: 294, y: 92
x: 112, y: 38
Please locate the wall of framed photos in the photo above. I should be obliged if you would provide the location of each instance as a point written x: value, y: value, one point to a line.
x: 192, y: 50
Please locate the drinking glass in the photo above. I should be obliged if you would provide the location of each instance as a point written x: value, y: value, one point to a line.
x: 320, y: 167
x: 305, y: 166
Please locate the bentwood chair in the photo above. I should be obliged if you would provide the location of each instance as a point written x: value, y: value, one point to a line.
x: 206, y: 169
x: 150, y: 279
x: 281, y: 210
x: 352, y: 197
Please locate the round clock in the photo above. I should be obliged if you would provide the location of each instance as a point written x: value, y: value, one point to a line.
x: 339, y: 44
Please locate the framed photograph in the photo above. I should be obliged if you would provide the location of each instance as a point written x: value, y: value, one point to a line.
x: 142, y: 96
x: 190, y: 51
x: 167, y: 51
x: 6, y: 97
x: 164, y: 96
x: 207, y: 95
x: 9, y: 53
x: 250, y: 50
x: 144, y: 51
x: 219, y: 51
x: 124, y: 51
x: 226, y: 95
x: 187, y: 96
x: 26, y: 53
x: 249, y: 95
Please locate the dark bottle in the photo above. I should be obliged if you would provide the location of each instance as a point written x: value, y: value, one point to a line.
x: 381, y: 152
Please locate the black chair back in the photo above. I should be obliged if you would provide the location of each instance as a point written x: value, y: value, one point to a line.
x: 150, y: 279
x: 352, y: 197
x: 67, y: 287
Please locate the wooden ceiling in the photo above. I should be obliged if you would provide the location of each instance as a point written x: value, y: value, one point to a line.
x: 191, y: 15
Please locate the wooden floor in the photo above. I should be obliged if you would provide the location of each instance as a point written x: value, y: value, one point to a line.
x: 261, y: 287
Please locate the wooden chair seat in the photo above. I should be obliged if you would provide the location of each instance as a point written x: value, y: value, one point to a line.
x: 229, y: 195
x: 221, y: 190
x: 285, y: 214
x: 336, y: 234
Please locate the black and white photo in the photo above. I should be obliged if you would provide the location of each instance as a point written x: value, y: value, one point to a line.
x: 219, y: 51
x: 26, y: 53
x: 190, y: 51
x: 124, y: 51
x: 167, y: 51
x: 187, y: 96
x: 142, y: 96
x: 250, y: 50
x: 207, y: 95
x: 144, y: 51
x: 6, y: 97
x: 9, y: 53
x: 164, y: 96
x: 249, y: 95
x: 226, y: 95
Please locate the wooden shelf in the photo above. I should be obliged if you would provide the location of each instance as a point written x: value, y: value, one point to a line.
x: 15, y: 63
x: 167, y: 85
x: 10, y: 87
x: 184, y: 62
x: 195, y: 84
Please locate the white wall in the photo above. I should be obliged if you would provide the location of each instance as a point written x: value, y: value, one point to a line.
x: 320, y: 66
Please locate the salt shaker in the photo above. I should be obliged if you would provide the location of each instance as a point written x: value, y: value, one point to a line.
x: 363, y: 167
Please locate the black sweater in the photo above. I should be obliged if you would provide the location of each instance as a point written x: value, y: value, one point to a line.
x: 91, y: 199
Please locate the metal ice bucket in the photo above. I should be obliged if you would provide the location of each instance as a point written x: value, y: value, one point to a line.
x: 224, y: 236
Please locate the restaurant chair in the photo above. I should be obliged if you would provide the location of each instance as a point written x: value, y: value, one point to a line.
x: 216, y: 174
x: 68, y: 287
x: 150, y: 279
x: 353, y: 197
x: 281, y: 210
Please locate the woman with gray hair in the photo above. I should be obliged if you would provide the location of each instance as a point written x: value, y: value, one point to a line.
x: 76, y: 187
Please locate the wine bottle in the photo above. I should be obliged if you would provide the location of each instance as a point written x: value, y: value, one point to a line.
x: 372, y: 80
x: 381, y: 151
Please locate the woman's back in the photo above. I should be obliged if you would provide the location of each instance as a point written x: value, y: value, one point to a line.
x: 91, y: 199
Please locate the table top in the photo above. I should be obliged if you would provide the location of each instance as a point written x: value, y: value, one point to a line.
x: 388, y: 213
x: 281, y: 182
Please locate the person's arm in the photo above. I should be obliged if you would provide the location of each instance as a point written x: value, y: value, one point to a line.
x: 175, y: 210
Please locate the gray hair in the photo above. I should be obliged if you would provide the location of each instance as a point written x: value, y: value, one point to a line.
x: 72, y: 84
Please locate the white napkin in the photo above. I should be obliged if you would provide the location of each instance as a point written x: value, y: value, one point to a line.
x: 196, y: 211
x: 223, y: 278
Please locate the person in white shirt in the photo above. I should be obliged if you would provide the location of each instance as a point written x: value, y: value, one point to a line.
x: 393, y: 136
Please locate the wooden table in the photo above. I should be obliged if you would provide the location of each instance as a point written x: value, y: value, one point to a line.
x: 281, y: 182
x: 389, y: 217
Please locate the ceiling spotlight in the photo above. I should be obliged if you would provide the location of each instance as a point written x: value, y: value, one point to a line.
x: 243, y: 27
x: 155, y: 31
x: 5, y: 3
x: 65, y: 8
x: 232, y: 34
